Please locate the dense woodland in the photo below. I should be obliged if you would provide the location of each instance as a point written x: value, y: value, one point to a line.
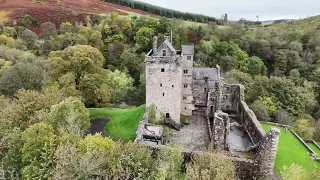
x: 48, y: 80
x: 163, y: 12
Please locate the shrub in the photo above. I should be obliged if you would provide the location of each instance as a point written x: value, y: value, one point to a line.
x: 207, y: 166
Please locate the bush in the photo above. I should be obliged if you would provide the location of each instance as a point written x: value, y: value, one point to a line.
x: 207, y: 166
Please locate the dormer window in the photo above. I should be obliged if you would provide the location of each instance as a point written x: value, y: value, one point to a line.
x: 164, y: 52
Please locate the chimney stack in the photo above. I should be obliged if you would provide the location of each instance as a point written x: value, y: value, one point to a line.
x: 155, y: 43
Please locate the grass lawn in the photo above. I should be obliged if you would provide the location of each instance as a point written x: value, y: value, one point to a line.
x: 124, y: 122
x: 314, y: 148
x: 291, y: 150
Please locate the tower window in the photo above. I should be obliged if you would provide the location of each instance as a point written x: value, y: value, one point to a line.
x: 164, y: 53
x: 205, y: 89
x: 162, y: 70
x: 172, y: 85
x: 185, y: 71
x: 161, y: 85
x: 162, y: 94
x: 185, y: 85
x: 184, y: 98
x: 185, y: 108
x: 188, y: 57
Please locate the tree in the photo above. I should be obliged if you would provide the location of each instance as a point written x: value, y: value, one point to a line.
x: 120, y: 84
x: 283, y: 117
x: 10, y: 153
x: 228, y: 63
x: 229, y: 49
x: 82, y: 62
x: 9, y: 31
x: 304, y: 128
x: 29, y: 37
x: 260, y: 110
x: 48, y: 29
x: 21, y: 76
x: 4, y: 65
x: 256, y: 66
x: 69, y: 116
x: 144, y: 38
x: 66, y: 27
x: 28, y: 21
x: 114, y: 51
x: 20, y: 111
x: 7, y: 41
x: 35, y: 139
x: 281, y: 61
x: 208, y: 166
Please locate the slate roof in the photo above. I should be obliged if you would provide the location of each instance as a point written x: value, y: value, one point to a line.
x: 187, y: 49
x: 201, y: 73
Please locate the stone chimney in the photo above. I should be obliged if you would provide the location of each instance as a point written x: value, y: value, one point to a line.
x: 155, y: 43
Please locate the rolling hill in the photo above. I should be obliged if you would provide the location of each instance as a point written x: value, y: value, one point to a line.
x: 58, y: 11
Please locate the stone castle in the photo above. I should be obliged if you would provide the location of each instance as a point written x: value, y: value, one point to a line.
x: 217, y: 115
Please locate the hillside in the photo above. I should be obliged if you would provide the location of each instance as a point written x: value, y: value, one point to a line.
x: 58, y: 11
x: 303, y: 25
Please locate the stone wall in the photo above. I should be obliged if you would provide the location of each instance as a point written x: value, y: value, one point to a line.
x: 142, y: 123
x: 253, y: 127
x: 220, y: 131
x: 266, y: 153
x: 163, y: 89
x: 231, y: 98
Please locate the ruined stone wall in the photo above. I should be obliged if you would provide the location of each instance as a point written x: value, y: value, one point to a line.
x: 233, y: 102
x: 266, y: 153
x: 163, y: 89
x: 220, y: 131
x: 142, y: 123
x: 231, y: 98
x: 250, y: 122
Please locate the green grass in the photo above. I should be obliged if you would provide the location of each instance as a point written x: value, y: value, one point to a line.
x: 291, y: 150
x: 124, y: 122
x: 315, y: 149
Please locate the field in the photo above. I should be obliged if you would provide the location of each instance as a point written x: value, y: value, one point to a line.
x: 291, y: 151
x: 314, y: 148
x: 124, y: 122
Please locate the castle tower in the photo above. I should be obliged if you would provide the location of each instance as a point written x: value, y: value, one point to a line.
x: 164, y: 80
x: 187, y: 65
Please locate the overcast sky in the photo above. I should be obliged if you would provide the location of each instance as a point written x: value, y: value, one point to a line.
x: 248, y: 9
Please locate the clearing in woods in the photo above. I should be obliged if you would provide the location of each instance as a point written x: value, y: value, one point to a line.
x: 123, y: 122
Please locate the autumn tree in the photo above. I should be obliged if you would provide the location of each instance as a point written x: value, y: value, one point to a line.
x: 144, y: 38
x: 69, y: 116
x: 21, y: 76
x: 84, y: 65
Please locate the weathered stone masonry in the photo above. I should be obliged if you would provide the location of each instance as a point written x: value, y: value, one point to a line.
x: 176, y: 88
